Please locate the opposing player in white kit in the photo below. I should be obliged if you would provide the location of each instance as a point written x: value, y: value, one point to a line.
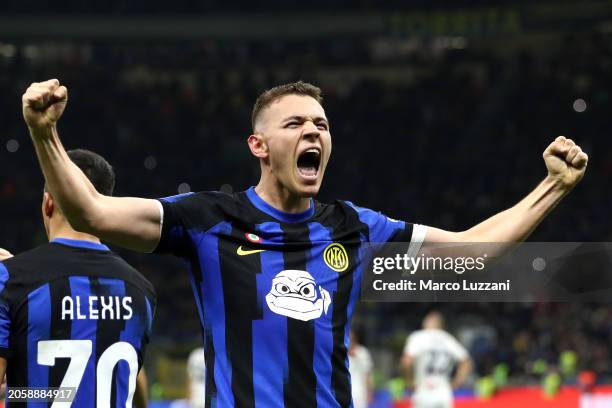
x: 431, y: 355
x: 196, y: 370
x: 360, y: 367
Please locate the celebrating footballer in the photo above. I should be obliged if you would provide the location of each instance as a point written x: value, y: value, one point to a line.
x: 276, y: 274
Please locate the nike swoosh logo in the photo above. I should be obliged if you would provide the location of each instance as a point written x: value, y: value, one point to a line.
x: 243, y: 252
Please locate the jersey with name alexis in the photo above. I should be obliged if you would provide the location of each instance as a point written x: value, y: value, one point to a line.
x: 73, y: 314
x: 275, y: 293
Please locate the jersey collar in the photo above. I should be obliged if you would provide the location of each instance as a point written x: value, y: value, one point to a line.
x: 80, y: 244
x: 258, y: 202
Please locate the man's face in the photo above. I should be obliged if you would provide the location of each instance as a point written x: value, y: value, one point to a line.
x: 296, y: 133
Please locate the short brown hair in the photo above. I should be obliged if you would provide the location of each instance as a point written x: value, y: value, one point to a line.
x: 296, y: 88
x: 96, y: 168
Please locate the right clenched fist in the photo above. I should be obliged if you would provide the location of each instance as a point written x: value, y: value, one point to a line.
x: 4, y: 254
x: 43, y: 104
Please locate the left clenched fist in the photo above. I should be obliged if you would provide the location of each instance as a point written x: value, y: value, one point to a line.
x: 565, y: 161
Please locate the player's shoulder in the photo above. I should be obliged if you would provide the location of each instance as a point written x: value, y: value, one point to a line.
x: 203, y: 209
x: 416, y: 335
x: 55, y: 260
x: 444, y: 335
x: 339, y: 209
x: 365, y: 215
x: 339, y: 205
x: 207, y: 202
x: 22, y: 272
x: 437, y: 336
x: 127, y: 273
x: 427, y: 337
x: 28, y: 261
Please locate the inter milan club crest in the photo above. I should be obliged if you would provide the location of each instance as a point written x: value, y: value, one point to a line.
x: 335, y: 257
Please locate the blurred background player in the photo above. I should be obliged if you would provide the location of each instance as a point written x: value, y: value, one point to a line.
x: 360, y: 367
x: 74, y: 314
x: 196, y: 371
x: 431, y: 355
x: 196, y: 374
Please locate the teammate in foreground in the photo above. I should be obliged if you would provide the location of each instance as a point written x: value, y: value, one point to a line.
x: 275, y: 274
x: 73, y: 314
x: 431, y: 355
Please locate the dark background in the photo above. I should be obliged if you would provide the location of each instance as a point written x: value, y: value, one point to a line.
x: 439, y: 115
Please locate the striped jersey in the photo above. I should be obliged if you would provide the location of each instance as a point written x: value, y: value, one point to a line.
x: 275, y: 293
x: 74, y: 314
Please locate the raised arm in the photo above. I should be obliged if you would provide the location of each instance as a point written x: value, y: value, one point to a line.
x: 566, y: 164
x: 129, y: 222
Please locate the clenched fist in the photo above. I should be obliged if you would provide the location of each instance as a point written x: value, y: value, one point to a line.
x: 43, y: 104
x: 565, y: 161
x: 4, y: 254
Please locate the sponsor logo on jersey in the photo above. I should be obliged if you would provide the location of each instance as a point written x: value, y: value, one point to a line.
x: 335, y: 257
x: 296, y: 294
x: 244, y: 251
x: 256, y: 239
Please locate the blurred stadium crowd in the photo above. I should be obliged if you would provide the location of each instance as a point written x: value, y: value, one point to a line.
x: 439, y: 133
x: 193, y: 6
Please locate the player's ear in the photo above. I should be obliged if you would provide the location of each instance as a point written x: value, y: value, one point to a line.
x: 258, y: 146
x: 48, y: 204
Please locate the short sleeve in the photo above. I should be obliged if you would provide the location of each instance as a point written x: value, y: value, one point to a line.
x: 456, y: 349
x: 186, y: 215
x: 174, y: 229
x: 386, y: 229
x: 410, y: 346
x: 5, y: 316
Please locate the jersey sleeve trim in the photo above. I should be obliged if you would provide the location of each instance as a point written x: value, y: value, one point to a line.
x: 160, y: 206
x: 174, y: 214
x: 171, y: 228
x: 416, y: 240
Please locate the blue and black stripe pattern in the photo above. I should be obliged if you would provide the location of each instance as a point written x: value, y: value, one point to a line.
x: 275, y: 293
x: 74, y: 302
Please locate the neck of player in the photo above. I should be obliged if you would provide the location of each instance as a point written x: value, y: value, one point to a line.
x: 64, y: 230
x: 281, y: 198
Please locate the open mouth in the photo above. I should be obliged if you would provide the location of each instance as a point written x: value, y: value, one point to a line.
x: 308, y: 162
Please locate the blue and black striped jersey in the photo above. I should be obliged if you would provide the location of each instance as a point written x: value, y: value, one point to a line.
x: 275, y: 293
x: 73, y: 314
